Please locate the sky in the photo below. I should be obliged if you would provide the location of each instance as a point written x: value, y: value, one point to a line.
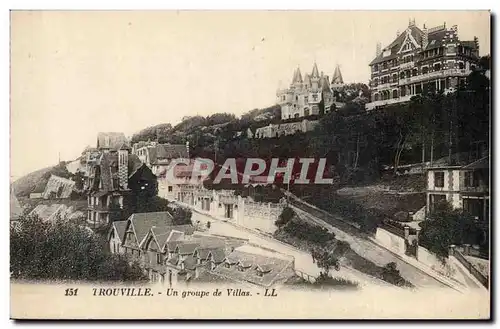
x: 74, y: 74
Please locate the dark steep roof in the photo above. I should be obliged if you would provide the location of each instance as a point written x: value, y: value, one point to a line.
x: 395, y: 45
x: 161, y: 234
x: 143, y: 222
x: 134, y: 164
x: 120, y: 227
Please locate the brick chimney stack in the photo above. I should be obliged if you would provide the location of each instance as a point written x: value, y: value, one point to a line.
x: 379, y: 49
x: 123, y: 168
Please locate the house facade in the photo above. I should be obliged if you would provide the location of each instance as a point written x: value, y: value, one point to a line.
x: 418, y: 61
x: 303, y: 97
x: 465, y: 187
x: 159, y: 156
x: 226, y: 205
x: 112, y: 174
x: 173, y: 254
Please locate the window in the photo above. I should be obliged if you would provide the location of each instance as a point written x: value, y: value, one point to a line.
x: 395, y: 93
x: 306, y: 99
x: 170, y: 188
x: 425, y: 70
x: 158, y: 258
x: 436, y: 199
x: 315, y: 97
x: 471, y: 179
x: 385, y: 65
x: 395, y: 78
x: 297, y: 98
x: 376, y: 67
x: 439, y: 179
x: 437, y: 67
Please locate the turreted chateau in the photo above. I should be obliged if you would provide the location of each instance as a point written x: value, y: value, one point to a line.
x: 304, y: 96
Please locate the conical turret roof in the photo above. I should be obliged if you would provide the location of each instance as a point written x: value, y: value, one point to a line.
x: 337, y: 76
x: 324, y: 84
x: 315, y: 72
x: 297, y: 76
x: 307, y: 80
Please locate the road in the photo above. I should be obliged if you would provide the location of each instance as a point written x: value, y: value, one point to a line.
x: 303, y: 260
x: 365, y: 247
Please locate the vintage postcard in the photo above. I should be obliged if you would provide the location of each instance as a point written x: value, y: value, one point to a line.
x: 250, y: 165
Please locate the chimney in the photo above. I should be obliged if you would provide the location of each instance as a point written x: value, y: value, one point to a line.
x: 123, y: 168
x: 476, y: 43
x: 398, y: 33
x: 379, y: 49
x: 187, y: 147
x: 425, y: 37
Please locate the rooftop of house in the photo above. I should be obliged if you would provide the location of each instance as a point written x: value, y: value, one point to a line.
x: 108, y: 164
x: 111, y: 140
x: 45, y: 212
x: 252, y: 267
x: 120, y: 227
x: 143, y: 222
x: 436, y: 38
x: 62, y: 187
x: 461, y: 160
x: 166, y: 234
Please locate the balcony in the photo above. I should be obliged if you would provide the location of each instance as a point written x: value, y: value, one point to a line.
x: 481, y: 189
x: 372, y: 105
x: 434, y: 75
x: 408, y: 65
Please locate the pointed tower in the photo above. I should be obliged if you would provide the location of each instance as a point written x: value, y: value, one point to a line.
x: 297, y: 78
x: 315, y: 77
x: 307, y: 81
x: 337, y: 80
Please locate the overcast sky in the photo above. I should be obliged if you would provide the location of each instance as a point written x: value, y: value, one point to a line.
x: 74, y: 74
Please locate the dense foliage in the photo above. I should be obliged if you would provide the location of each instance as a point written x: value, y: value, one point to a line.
x: 446, y: 227
x: 64, y: 251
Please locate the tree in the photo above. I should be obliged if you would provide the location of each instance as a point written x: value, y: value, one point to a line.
x: 286, y: 216
x: 390, y: 273
x: 65, y: 251
x: 182, y: 216
x: 446, y: 227
x: 327, y: 261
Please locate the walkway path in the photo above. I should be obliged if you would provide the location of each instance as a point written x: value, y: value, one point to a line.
x: 364, y: 246
x: 303, y: 260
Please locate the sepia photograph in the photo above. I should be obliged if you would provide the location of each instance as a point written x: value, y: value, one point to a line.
x: 265, y: 164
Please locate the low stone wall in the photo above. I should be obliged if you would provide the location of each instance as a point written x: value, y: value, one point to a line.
x: 260, y: 216
x: 443, y: 266
x: 284, y: 129
x: 390, y: 241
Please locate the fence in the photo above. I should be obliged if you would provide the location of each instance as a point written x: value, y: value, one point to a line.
x: 468, y: 265
x: 305, y: 276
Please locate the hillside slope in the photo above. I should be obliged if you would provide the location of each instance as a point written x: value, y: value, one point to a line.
x: 37, y: 180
